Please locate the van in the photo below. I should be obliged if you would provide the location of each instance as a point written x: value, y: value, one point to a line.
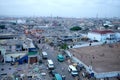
x: 44, y: 55
x: 50, y: 64
x: 72, y: 69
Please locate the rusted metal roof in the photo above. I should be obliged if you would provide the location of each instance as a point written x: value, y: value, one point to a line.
x: 102, y: 32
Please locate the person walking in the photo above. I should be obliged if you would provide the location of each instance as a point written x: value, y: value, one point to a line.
x: 63, y: 77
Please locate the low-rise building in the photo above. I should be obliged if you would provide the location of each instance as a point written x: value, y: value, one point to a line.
x: 102, y: 35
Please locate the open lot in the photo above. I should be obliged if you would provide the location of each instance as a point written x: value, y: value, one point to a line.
x: 102, y: 58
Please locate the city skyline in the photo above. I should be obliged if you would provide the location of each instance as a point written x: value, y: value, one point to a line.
x: 62, y: 8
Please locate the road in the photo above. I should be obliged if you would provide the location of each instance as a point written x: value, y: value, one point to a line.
x: 60, y: 67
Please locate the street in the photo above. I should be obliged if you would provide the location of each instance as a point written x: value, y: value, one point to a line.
x: 60, y: 67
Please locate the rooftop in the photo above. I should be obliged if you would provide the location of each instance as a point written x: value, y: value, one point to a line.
x: 102, y: 31
x: 32, y: 53
x: 101, y: 58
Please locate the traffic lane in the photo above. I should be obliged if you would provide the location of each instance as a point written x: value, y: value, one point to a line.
x: 60, y: 67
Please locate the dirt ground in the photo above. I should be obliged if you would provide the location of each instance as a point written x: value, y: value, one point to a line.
x: 102, y: 58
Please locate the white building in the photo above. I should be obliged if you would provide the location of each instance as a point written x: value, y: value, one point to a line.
x: 21, y: 21
x: 118, y: 36
x: 103, y: 35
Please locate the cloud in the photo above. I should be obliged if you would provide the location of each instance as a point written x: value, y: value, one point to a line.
x: 75, y: 8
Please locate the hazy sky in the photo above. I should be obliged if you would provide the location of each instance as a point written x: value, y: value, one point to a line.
x: 63, y: 8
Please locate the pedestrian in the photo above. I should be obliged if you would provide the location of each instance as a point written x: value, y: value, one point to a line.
x: 63, y: 77
x: 62, y: 69
x: 90, y: 44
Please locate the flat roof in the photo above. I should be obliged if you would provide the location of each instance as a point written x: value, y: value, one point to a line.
x: 102, y: 58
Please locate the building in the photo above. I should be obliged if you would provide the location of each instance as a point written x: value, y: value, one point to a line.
x: 17, y: 50
x: 32, y: 55
x: 102, y: 35
x: 118, y: 36
x: 2, y: 54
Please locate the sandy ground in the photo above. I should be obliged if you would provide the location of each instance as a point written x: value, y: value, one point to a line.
x: 103, y: 58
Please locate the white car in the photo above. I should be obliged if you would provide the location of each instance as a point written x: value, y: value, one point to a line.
x: 50, y: 64
x: 44, y: 55
x: 73, y: 70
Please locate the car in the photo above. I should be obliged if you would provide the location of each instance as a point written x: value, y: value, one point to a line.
x: 60, y: 57
x: 79, y: 67
x: 50, y: 64
x: 44, y: 55
x: 72, y: 69
x: 95, y: 41
x: 52, y: 72
x: 58, y: 77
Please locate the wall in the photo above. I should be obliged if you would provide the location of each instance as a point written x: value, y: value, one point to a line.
x: 89, y: 69
x: 14, y: 55
x: 33, y: 60
x: 3, y: 51
x: 86, y: 44
x: 118, y: 36
x: 94, y: 36
x: 102, y: 37
x: 107, y: 74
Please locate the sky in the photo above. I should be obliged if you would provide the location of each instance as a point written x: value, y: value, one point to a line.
x: 61, y: 8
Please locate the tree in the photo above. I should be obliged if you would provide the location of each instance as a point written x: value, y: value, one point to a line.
x: 75, y: 28
x: 2, y: 26
x: 106, y: 26
x: 14, y: 23
x: 64, y: 46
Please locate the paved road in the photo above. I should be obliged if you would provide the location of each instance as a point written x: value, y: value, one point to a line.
x: 60, y: 67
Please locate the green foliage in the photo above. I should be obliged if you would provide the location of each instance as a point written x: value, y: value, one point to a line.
x: 59, y: 24
x: 2, y: 26
x: 64, y: 46
x: 75, y: 28
x: 106, y: 26
x: 14, y: 23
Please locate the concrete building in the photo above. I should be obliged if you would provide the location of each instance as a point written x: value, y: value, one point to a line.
x: 15, y: 50
x: 2, y: 54
x: 102, y: 35
x: 118, y: 36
